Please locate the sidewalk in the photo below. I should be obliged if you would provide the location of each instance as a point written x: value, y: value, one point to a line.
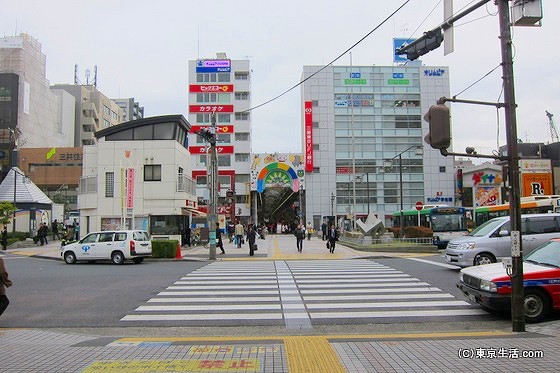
x: 274, y: 247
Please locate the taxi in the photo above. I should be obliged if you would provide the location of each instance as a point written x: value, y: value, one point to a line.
x: 490, y: 285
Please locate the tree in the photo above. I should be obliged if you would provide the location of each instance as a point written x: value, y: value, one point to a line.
x: 6, y: 212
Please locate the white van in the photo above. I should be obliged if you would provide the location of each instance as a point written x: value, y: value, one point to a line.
x: 491, y: 241
x: 114, y: 245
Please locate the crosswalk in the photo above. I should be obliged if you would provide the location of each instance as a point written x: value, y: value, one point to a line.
x: 298, y: 294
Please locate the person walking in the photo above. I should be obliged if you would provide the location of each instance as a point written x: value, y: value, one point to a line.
x: 4, y: 238
x: 219, y: 242
x: 300, y: 236
x: 4, y: 283
x: 324, y: 231
x: 309, y: 230
x: 251, y: 238
x: 332, y: 236
x: 42, y: 233
x: 54, y: 228
x: 239, y: 232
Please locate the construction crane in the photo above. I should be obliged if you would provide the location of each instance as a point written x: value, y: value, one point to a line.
x: 553, y: 132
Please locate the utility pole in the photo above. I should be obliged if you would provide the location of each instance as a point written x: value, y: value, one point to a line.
x: 517, y: 291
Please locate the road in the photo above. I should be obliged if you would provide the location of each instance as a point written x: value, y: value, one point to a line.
x: 294, y: 294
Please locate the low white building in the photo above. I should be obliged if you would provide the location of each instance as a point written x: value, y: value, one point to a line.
x: 137, y: 176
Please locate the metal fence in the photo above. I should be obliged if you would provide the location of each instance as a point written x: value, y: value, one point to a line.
x: 385, y: 240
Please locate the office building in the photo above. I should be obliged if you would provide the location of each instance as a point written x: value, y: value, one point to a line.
x: 364, y: 147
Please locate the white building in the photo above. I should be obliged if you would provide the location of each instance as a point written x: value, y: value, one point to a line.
x: 223, y: 86
x: 362, y: 127
x: 138, y: 176
x: 38, y: 116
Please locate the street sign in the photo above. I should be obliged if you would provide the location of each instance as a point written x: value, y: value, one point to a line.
x: 419, y: 205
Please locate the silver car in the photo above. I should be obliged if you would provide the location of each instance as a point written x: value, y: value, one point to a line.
x: 491, y: 241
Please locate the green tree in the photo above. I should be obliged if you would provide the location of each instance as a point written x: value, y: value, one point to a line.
x: 6, y: 212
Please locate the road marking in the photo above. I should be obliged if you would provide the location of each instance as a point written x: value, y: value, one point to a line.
x: 204, y: 317
x: 445, y: 265
x: 288, y: 288
x: 394, y: 313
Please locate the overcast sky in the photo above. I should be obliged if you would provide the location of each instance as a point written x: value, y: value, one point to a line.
x: 141, y: 49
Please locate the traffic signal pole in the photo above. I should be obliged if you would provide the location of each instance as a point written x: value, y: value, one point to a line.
x: 213, y: 184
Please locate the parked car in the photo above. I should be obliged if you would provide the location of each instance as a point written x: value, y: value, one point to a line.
x: 491, y: 241
x: 116, y: 246
x: 490, y: 286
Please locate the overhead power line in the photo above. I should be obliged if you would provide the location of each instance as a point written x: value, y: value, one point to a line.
x: 333, y: 61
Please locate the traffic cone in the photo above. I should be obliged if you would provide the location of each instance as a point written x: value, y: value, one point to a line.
x: 178, y: 254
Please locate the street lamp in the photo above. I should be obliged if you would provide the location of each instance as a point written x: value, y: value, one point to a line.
x: 389, y: 163
x: 332, y: 203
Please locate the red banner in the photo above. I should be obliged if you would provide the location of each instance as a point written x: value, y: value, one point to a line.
x: 210, y: 108
x: 218, y: 88
x: 129, y: 188
x: 220, y: 149
x: 219, y: 128
x: 308, y: 118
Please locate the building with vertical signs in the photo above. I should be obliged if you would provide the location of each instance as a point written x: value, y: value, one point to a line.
x: 356, y: 120
x: 223, y: 86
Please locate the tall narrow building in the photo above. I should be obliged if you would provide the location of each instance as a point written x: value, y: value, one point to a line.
x: 363, y: 132
x: 222, y: 86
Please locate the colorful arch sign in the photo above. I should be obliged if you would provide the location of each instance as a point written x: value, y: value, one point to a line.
x: 277, y: 173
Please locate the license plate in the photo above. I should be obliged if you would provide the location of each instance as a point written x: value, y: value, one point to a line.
x: 447, y: 258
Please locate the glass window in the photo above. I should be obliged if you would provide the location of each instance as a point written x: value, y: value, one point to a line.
x: 152, y: 172
x: 201, y: 180
x: 90, y: 238
x: 242, y: 157
x: 224, y: 77
x: 164, y: 131
x: 242, y: 178
x: 167, y: 224
x: 109, y: 184
x: 119, y: 136
x: 106, y: 237
x: 542, y: 225
x: 224, y: 160
x: 241, y: 75
x: 120, y: 236
x: 224, y: 138
x: 241, y: 136
x: 242, y: 116
x: 441, y: 168
x: 224, y: 118
x: 144, y: 133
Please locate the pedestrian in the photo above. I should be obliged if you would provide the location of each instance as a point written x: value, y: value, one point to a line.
x: 42, y: 233
x: 239, y: 232
x: 54, y: 227
x: 332, y: 236
x: 77, y: 231
x: 300, y: 236
x: 309, y: 230
x: 188, y: 236
x: 324, y: 230
x: 219, y: 242
x: 4, y: 238
x: 251, y: 238
x: 4, y: 283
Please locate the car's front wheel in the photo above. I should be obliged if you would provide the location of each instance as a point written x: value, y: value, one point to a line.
x: 69, y: 257
x: 536, y: 305
x: 481, y: 259
x: 117, y: 257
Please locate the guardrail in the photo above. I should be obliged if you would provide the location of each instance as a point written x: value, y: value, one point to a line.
x: 366, y: 241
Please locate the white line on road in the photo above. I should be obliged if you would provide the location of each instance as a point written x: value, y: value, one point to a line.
x: 444, y: 265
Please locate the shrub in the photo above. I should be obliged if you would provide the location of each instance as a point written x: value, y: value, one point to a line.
x: 417, y: 232
x: 164, y: 248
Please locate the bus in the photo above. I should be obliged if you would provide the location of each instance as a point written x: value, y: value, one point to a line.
x: 529, y: 205
x: 445, y: 222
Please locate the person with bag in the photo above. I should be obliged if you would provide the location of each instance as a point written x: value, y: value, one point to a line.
x: 300, y: 236
x: 332, y: 237
x: 251, y: 238
x: 219, y: 242
x: 239, y: 231
x: 4, y: 283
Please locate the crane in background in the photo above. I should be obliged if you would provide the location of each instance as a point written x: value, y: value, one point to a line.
x: 553, y: 131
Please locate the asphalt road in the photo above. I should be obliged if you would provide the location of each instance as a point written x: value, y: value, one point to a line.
x: 50, y: 293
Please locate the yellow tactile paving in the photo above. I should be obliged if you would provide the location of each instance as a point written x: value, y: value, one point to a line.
x: 311, y: 354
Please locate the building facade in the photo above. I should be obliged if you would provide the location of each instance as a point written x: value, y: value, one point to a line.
x: 93, y: 111
x: 137, y: 175
x: 131, y: 109
x: 30, y: 114
x: 222, y: 86
x: 364, y: 147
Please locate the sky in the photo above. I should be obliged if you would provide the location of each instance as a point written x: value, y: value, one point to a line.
x: 141, y: 50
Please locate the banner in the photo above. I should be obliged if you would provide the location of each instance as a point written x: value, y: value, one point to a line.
x: 308, y: 119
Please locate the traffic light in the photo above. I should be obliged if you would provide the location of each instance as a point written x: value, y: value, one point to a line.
x: 207, y: 135
x: 439, y: 118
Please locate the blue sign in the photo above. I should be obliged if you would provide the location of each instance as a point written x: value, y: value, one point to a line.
x: 434, y: 72
x: 213, y: 69
x: 398, y: 75
x: 397, y: 43
x: 86, y: 248
x: 355, y: 75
